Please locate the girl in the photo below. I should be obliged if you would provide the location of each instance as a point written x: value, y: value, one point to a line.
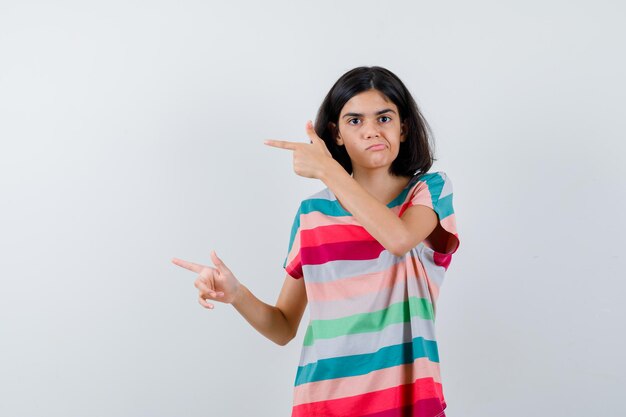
x: 368, y: 254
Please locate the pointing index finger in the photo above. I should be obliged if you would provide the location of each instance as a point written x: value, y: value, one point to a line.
x: 282, y: 144
x: 188, y: 265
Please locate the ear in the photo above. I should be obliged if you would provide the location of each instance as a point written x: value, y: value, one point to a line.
x: 336, y: 133
x: 403, y: 132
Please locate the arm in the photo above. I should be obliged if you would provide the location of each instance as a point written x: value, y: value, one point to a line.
x: 278, y: 323
x: 397, y: 234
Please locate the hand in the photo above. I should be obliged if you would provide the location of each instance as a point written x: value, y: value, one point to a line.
x: 217, y: 283
x: 309, y: 159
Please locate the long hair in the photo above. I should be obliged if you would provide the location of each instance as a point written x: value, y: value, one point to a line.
x: 416, y: 152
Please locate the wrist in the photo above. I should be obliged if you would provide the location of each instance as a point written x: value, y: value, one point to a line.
x: 238, y: 294
x: 329, y: 170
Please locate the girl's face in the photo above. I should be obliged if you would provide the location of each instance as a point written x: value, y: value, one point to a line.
x: 369, y: 127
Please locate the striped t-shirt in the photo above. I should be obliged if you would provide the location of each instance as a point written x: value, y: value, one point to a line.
x: 370, y: 347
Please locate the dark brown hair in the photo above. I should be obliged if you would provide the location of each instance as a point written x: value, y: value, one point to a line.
x: 416, y: 152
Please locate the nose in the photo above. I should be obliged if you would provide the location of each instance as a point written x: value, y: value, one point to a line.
x: 371, y: 130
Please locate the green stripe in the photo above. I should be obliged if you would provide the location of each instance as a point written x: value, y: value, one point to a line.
x: 369, y: 322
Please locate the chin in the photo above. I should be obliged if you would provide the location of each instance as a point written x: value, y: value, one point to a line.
x: 376, y: 166
x: 379, y: 163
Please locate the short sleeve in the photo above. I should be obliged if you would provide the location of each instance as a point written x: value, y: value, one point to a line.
x: 434, y: 190
x: 293, y: 264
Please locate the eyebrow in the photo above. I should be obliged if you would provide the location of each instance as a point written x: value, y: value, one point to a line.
x: 377, y: 113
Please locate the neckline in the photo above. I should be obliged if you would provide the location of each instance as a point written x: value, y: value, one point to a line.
x: 391, y: 204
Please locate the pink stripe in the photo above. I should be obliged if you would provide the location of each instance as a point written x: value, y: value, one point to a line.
x: 378, y: 401
x: 442, y: 259
x: 295, y: 247
x: 403, y: 208
x: 355, y: 286
x: 433, y: 288
x: 421, y: 196
x: 449, y: 223
x: 336, y: 309
x: 341, y: 251
x: 316, y: 219
x: 334, y: 234
x: 431, y: 407
x: 362, y: 384
x: 294, y: 265
x: 294, y: 268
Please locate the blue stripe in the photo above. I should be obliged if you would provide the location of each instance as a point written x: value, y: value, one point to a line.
x: 333, y: 208
x: 435, y: 183
x: 444, y: 207
x: 294, y: 230
x: 327, y: 207
x: 399, y: 199
x: 353, y: 365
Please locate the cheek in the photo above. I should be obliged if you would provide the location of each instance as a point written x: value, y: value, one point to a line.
x: 351, y: 151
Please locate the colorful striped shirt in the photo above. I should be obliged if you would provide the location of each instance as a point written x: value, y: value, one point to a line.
x: 370, y: 347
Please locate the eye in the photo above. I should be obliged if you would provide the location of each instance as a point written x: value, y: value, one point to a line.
x: 354, y: 121
x: 384, y: 119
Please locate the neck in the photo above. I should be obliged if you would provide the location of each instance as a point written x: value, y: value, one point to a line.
x: 380, y: 183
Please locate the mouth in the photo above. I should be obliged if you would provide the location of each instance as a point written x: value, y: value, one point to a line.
x: 376, y: 147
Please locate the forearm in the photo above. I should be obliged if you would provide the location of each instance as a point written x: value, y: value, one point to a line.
x: 266, y: 319
x: 384, y: 225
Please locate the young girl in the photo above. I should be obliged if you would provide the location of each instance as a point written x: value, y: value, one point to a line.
x: 368, y: 254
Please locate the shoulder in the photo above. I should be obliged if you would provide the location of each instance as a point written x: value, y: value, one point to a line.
x: 435, y: 182
x: 436, y: 177
x: 430, y: 189
x: 323, y: 201
x: 324, y: 194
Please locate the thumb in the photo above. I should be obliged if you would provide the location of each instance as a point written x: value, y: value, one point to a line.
x: 221, y: 266
x: 310, y: 131
x: 315, y: 139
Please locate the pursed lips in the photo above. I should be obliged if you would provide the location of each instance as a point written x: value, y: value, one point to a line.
x: 376, y: 146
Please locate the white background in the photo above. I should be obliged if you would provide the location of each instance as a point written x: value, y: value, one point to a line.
x: 131, y: 132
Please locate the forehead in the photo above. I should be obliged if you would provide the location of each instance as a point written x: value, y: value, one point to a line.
x: 370, y: 101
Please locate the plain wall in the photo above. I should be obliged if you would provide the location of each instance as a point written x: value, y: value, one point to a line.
x: 132, y: 132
